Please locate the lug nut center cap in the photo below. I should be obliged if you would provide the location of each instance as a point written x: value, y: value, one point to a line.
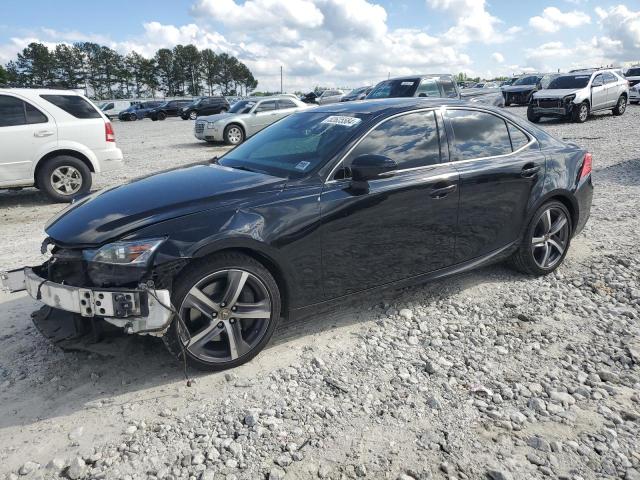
x: 225, y: 314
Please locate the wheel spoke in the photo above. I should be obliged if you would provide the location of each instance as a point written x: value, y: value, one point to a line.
x: 558, y: 225
x: 547, y: 254
x: 546, y: 221
x: 537, y: 242
x: 556, y: 245
x: 204, y: 336
x: 253, y: 310
x: 235, y: 283
x: 237, y: 345
x: 197, y: 299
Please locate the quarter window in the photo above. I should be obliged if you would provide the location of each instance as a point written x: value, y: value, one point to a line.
x: 73, y: 105
x: 518, y: 138
x: 14, y: 111
x: 477, y: 135
x: 410, y: 140
x: 428, y: 88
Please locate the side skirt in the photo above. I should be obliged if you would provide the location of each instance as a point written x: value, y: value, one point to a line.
x: 492, y: 257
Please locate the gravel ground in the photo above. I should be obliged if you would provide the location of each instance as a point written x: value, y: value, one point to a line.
x: 487, y: 375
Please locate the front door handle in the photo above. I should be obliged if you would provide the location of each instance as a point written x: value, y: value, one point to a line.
x: 443, y: 191
x: 43, y: 133
x: 530, y: 170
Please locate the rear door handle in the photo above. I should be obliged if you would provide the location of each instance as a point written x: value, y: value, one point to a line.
x: 443, y: 191
x: 43, y: 133
x: 530, y: 170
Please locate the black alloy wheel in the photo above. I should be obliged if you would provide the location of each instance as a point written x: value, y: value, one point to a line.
x: 546, y: 240
x: 229, y: 308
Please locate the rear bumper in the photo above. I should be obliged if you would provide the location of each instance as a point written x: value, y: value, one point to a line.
x: 634, y: 96
x: 133, y: 309
x: 109, y: 159
x: 584, y: 196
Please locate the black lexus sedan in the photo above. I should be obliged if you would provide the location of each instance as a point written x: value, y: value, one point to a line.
x: 326, y: 203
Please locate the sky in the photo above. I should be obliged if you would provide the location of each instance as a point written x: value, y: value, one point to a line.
x: 345, y: 43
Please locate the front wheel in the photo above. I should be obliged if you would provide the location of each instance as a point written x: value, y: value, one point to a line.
x: 546, y: 240
x: 233, y: 135
x: 229, y: 308
x: 162, y: 116
x: 193, y: 115
x: 532, y: 117
x: 133, y: 117
x: 64, y: 177
x: 580, y: 113
x: 621, y: 106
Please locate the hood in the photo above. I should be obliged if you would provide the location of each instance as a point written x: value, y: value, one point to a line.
x: 556, y: 93
x: 112, y: 213
x: 219, y: 116
x: 518, y: 88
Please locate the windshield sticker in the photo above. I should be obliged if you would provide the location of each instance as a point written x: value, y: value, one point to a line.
x: 406, y: 84
x: 340, y: 120
x: 302, y: 165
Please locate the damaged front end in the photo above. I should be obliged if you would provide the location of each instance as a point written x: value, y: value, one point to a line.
x: 116, y: 282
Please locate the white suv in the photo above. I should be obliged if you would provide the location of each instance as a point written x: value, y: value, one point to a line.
x: 53, y: 140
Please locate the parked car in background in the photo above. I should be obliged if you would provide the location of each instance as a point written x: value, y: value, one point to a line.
x: 359, y: 93
x: 172, y: 108
x: 53, y: 140
x: 310, y: 98
x: 204, y: 106
x: 509, y: 82
x: 330, y: 96
x: 309, y: 211
x: 138, y: 111
x: 520, y: 92
x: 576, y: 95
x: 245, y: 118
x: 632, y: 75
x: 433, y: 86
x: 113, y: 108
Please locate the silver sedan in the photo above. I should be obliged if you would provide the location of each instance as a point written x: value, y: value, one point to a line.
x: 245, y: 118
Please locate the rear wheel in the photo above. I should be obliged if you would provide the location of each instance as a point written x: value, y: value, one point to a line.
x: 233, y: 134
x: 64, y: 177
x: 546, y: 240
x: 532, y: 117
x: 133, y: 117
x: 621, y: 106
x: 229, y: 308
x: 580, y: 113
x: 162, y: 115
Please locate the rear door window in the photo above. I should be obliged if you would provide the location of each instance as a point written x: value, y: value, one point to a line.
x: 14, y: 111
x: 609, y: 78
x: 477, y: 135
x: 410, y: 140
x: 518, y: 138
x: 266, y: 106
x: 73, y: 105
x: 448, y: 88
x: 284, y: 103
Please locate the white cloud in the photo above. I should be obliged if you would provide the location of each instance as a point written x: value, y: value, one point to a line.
x: 553, y: 19
x: 623, y: 32
x: 473, y: 21
x: 498, y: 57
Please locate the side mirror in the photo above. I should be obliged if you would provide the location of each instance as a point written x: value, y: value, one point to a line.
x: 371, y: 167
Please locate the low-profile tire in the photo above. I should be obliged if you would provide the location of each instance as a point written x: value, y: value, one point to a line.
x: 531, y: 116
x: 621, y: 106
x: 162, y: 115
x: 233, y: 134
x: 580, y: 113
x: 546, y: 240
x: 209, y: 295
x: 64, y: 177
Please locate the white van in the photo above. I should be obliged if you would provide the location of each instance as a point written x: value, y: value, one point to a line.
x: 53, y: 140
x: 112, y: 108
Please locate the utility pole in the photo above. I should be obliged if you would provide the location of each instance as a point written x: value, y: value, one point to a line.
x: 281, y: 90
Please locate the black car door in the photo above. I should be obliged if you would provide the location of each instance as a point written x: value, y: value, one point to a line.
x: 402, y: 226
x: 501, y: 172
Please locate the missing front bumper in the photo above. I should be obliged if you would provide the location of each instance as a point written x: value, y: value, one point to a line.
x: 135, y: 310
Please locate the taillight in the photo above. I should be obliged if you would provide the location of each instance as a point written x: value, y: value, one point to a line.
x: 586, y: 165
x: 109, y: 136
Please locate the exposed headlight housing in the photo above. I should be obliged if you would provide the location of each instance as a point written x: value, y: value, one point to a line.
x: 136, y: 252
x: 569, y: 98
x: 211, y: 124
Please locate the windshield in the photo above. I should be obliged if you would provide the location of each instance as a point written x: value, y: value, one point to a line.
x: 569, y: 81
x: 526, y: 81
x: 296, y: 145
x: 395, y: 88
x: 242, y: 106
x: 632, y: 72
x: 357, y: 91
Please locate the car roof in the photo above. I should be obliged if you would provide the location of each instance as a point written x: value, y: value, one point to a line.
x: 385, y: 106
x: 421, y: 75
x: 39, y: 91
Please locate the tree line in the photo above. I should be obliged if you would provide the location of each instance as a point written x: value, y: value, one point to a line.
x: 105, y: 74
